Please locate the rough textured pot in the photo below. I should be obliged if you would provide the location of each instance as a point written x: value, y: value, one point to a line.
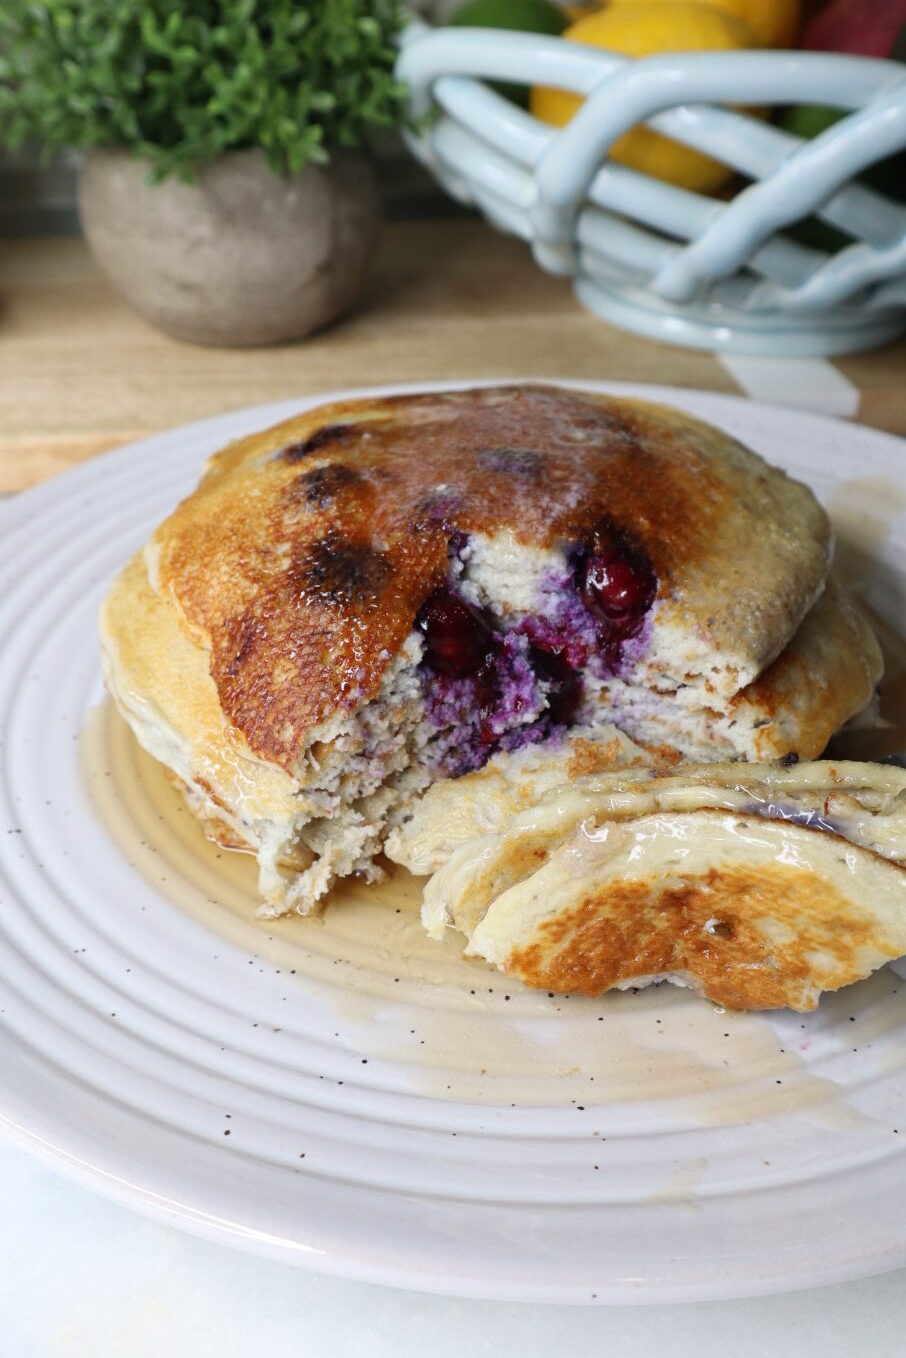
x: 240, y: 257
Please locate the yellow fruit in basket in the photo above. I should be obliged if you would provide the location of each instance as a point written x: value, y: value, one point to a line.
x: 772, y: 23
x: 640, y: 28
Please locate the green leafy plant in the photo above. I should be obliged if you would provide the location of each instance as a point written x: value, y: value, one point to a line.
x: 181, y: 81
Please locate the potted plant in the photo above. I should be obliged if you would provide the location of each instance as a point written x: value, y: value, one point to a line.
x: 223, y: 185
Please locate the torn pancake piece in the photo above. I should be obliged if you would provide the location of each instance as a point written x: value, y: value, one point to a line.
x: 759, y: 887
x: 456, y: 810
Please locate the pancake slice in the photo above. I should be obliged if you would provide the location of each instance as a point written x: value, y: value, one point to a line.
x: 759, y: 887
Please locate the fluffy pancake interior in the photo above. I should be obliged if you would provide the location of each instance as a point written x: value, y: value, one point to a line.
x: 456, y: 810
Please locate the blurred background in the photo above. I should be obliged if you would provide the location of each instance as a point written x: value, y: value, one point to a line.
x: 38, y: 194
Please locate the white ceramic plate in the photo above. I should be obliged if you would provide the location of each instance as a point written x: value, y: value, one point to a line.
x: 343, y: 1094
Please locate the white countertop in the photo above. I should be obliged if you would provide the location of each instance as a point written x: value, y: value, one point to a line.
x: 83, y: 1278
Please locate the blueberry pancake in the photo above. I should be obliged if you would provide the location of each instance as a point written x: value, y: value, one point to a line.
x: 379, y: 594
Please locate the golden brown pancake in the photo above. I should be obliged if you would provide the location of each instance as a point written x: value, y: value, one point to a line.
x: 377, y: 594
x: 305, y: 554
x: 759, y: 887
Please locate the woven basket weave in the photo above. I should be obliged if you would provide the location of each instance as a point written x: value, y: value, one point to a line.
x: 661, y: 260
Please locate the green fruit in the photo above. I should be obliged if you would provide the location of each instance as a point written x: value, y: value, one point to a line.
x: 529, y: 16
x: 887, y: 176
x: 808, y: 120
x: 525, y: 16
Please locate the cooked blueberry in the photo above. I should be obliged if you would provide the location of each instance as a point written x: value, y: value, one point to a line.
x: 336, y: 571
x: 456, y: 544
x: 617, y: 585
x: 437, y: 508
x: 458, y: 641
x: 330, y: 434
x: 320, y: 485
x: 524, y: 462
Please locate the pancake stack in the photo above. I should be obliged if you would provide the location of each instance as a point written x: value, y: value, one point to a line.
x: 380, y: 595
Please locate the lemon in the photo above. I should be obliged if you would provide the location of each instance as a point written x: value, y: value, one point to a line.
x: 772, y: 23
x: 639, y: 28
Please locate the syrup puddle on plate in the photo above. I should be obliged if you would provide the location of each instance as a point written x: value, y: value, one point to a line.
x: 461, y: 1030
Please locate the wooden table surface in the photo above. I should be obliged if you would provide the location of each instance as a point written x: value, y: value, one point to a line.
x: 80, y: 372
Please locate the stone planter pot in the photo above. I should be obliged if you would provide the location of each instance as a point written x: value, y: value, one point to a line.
x: 240, y: 257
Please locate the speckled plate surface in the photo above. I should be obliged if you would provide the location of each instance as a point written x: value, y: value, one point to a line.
x: 344, y: 1094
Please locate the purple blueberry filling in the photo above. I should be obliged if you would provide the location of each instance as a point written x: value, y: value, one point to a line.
x: 483, y: 690
x: 797, y: 815
x: 564, y: 627
x: 487, y: 690
x: 516, y: 694
x: 564, y: 686
x: 595, y: 614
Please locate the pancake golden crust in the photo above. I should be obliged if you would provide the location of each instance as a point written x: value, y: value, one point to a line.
x: 637, y: 929
x: 831, y: 667
x: 304, y: 556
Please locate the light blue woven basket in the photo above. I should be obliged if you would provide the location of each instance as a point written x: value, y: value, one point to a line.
x: 660, y: 260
